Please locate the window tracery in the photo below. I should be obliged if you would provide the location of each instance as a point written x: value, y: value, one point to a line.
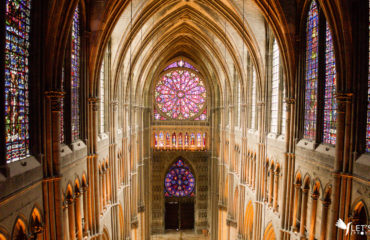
x: 75, y: 76
x: 180, y: 94
x: 311, y: 76
x: 17, y: 43
x: 179, y: 181
x: 275, y: 87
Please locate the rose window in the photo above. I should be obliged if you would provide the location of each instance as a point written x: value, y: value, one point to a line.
x: 180, y: 94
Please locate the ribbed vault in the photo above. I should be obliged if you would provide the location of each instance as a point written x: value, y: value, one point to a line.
x: 213, y: 34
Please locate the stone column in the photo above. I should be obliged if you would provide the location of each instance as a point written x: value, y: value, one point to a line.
x: 271, y: 187
x: 78, y: 214
x: 71, y: 218
x: 65, y: 221
x: 303, y: 213
x: 295, y: 211
x: 276, y: 189
x: 86, y: 221
x: 324, y: 219
x: 101, y: 197
x: 315, y: 196
x: 338, y: 164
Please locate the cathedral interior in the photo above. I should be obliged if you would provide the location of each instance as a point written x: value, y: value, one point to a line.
x: 185, y: 119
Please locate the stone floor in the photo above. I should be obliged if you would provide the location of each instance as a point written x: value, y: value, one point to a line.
x: 179, y: 235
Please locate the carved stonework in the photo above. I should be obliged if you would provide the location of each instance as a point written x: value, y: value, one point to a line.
x: 93, y: 102
x: 54, y: 97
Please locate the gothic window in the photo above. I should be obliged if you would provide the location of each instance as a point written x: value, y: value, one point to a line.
x: 330, y: 113
x: 320, y: 80
x: 173, y: 139
x: 180, y: 94
x: 311, y: 76
x: 179, y: 181
x: 199, y: 139
x: 368, y: 98
x: 275, y: 100
x: 75, y: 76
x: 283, y: 115
x: 102, y: 95
x: 253, y: 105
x: 62, y: 108
x: 17, y: 43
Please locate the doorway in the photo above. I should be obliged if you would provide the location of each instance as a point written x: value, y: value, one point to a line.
x: 179, y: 214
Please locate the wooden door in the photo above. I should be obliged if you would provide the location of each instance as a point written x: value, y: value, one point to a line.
x: 172, y: 215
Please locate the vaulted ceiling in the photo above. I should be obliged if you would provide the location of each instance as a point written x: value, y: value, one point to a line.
x: 216, y: 35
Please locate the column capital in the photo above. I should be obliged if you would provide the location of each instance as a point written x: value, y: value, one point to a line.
x: 343, y: 97
x: 315, y: 196
x: 289, y: 100
x: 55, y: 98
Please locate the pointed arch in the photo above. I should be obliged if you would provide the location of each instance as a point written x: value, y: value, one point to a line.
x: 20, y: 229
x: 248, y: 220
x: 360, y: 212
x: 36, y: 221
x: 269, y: 232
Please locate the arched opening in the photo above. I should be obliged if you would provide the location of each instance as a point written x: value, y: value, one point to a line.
x: 179, y: 192
x: 20, y: 230
x: 359, y: 222
x: 249, y: 221
x: 36, y: 226
x: 269, y: 233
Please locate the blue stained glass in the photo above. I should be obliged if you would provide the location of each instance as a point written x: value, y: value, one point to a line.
x: 179, y: 181
x: 17, y: 26
x: 330, y: 113
x: 311, y: 77
x: 368, y: 98
x: 75, y: 76
x: 179, y: 94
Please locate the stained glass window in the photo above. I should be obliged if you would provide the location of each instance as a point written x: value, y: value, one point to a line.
x: 174, y: 139
x: 17, y: 26
x: 275, y: 87
x: 180, y: 140
x: 179, y: 181
x: 102, y: 72
x: 180, y: 94
x: 330, y: 114
x: 283, y: 114
x: 62, y: 109
x: 253, y: 105
x: 368, y: 99
x: 311, y: 77
x: 199, y: 139
x: 182, y: 64
x: 75, y: 76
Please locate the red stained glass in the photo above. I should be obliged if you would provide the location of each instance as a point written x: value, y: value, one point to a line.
x: 17, y: 30
x: 179, y: 181
x: 75, y: 76
x: 311, y: 77
x: 180, y: 94
x: 330, y: 104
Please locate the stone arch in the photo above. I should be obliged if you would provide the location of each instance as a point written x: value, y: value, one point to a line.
x: 360, y: 213
x: 269, y: 232
x: 105, y: 234
x: 316, y: 187
x: 248, y: 220
x: 307, y: 181
x: 298, y: 178
x: 36, y: 221
x: 235, y: 202
x: 3, y: 234
x: 121, y: 221
x: 20, y: 229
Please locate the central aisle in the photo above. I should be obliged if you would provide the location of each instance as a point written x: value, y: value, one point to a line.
x: 181, y: 235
